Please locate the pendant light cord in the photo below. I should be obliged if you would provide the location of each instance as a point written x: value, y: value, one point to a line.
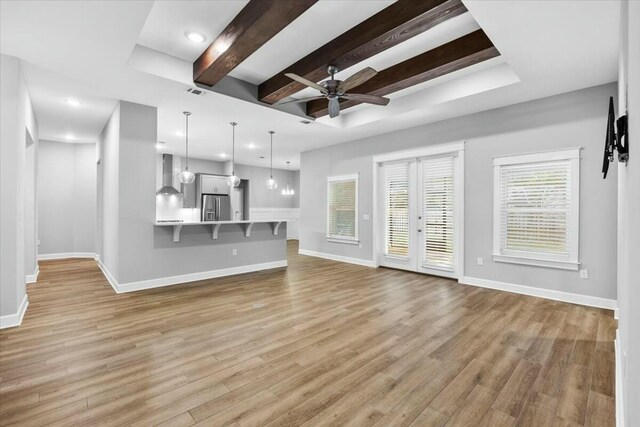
x: 271, y: 164
x: 233, y: 148
x: 186, y: 136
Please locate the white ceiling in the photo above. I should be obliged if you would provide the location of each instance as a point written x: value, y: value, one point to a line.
x: 81, y: 50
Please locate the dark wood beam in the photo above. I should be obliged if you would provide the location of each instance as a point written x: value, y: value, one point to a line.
x: 468, y: 50
x: 387, y: 28
x: 256, y: 24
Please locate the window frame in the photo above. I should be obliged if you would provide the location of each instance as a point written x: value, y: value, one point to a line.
x: 569, y: 262
x: 336, y: 238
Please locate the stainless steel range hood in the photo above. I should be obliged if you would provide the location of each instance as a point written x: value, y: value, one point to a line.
x: 167, y: 176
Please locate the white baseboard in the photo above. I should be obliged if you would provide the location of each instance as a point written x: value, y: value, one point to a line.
x: 541, y: 293
x: 12, y: 320
x: 44, y: 257
x: 185, y: 278
x: 33, y: 278
x: 357, y: 261
x: 107, y: 274
x: 619, y: 387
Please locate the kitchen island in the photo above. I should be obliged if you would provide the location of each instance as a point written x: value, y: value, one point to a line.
x: 246, y: 225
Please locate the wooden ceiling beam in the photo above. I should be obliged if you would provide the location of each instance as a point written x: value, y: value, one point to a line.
x: 389, y: 27
x: 460, y: 53
x: 256, y: 24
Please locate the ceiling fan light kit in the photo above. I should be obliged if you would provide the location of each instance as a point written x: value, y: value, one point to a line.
x: 333, y: 89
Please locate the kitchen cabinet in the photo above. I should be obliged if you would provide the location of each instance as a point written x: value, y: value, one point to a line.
x: 213, y: 184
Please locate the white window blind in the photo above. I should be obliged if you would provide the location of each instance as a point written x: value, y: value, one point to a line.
x: 396, y: 182
x: 343, y: 207
x: 536, y: 203
x: 537, y: 209
x: 438, y: 213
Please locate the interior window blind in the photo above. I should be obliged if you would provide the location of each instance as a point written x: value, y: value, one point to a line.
x: 535, y: 208
x: 396, y: 181
x: 342, y: 208
x: 438, y: 213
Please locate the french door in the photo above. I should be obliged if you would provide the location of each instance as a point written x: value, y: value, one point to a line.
x: 419, y: 211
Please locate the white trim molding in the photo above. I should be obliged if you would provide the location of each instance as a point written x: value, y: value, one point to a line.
x: 65, y: 255
x: 619, y: 386
x: 587, y: 300
x: 33, y: 278
x: 430, y: 150
x: 569, y: 261
x: 185, y: 278
x: 13, y: 320
x: 340, y: 258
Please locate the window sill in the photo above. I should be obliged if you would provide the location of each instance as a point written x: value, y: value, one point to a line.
x: 563, y: 265
x: 345, y: 241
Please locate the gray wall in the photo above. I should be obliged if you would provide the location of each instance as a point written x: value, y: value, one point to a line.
x: 30, y: 207
x: 108, y: 186
x: 67, y: 197
x: 629, y: 217
x: 146, y: 251
x: 568, y: 120
x: 16, y: 119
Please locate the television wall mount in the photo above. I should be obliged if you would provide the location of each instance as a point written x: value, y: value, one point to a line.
x: 615, y: 141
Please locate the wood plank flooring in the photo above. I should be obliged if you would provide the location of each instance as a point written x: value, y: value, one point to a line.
x: 320, y: 343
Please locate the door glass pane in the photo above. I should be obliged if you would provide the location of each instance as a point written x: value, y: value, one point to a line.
x: 437, y: 213
x: 396, y: 190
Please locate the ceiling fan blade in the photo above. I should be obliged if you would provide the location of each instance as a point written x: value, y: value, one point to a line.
x: 306, y: 82
x: 369, y: 99
x: 294, y: 101
x: 334, y: 107
x: 357, y: 79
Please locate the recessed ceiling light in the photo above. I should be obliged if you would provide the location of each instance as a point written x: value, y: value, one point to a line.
x: 69, y: 137
x: 160, y: 145
x: 73, y: 102
x: 178, y: 133
x: 194, y: 37
x: 223, y: 155
x: 252, y: 145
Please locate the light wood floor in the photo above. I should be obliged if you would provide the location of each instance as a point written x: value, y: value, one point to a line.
x: 320, y: 343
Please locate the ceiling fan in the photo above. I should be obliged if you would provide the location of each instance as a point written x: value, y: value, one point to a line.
x: 333, y: 89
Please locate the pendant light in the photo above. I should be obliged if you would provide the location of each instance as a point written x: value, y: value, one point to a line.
x: 272, y: 184
x: 186, y: 177
x: 288, y: 191
x: 234, y: 180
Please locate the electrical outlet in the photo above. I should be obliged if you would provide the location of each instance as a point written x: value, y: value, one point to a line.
x: 365, y: 217
x: 584, y: 274
x: 360, y: 245
x: 38, y: 242
x: 480, y: 261
x: 234, y: 252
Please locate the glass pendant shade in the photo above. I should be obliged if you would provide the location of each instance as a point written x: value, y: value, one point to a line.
x: 234, y: 181
x: 287, y: 191
x: 187, y: 177
x: 272, y: 184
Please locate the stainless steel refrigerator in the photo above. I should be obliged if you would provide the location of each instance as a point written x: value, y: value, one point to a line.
x: 215, y: 207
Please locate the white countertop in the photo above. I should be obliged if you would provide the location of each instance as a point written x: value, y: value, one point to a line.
x: 239, y: 221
